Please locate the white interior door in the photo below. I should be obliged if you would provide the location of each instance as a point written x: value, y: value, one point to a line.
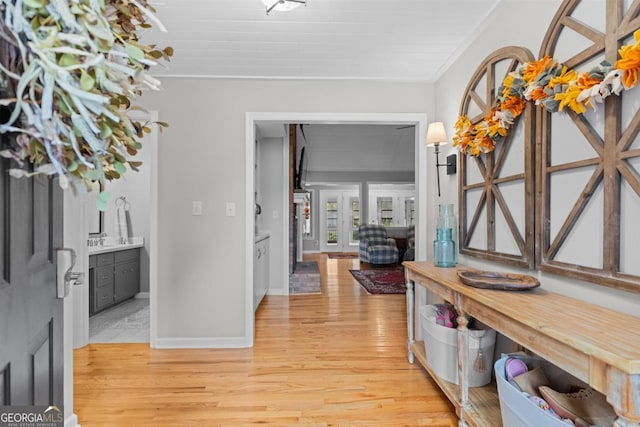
x: 339, y: 220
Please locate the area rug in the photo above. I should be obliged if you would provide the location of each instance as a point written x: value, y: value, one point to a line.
x: 305, y: 279
x: 381, y: 281
x: 339, y: 255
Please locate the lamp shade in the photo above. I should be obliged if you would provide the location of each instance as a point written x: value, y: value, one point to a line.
x: 281, y: 5
x: 436, y: 134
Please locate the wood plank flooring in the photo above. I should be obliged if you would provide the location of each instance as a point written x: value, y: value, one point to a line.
x: 331, y: 359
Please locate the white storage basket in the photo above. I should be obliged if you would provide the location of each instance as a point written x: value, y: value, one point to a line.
x: 441, y: 345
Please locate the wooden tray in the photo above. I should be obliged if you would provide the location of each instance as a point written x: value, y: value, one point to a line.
x: 501, y: 281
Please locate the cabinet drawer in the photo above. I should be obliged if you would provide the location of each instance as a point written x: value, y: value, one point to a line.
x: 104, y: 276
x: 104, y: 259
x: 104, y: 297
x: 127, y: 255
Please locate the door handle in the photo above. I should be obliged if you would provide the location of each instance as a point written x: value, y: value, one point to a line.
x: 65, y: 276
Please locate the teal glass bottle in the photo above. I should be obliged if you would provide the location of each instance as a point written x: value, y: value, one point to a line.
x: 444, y: 248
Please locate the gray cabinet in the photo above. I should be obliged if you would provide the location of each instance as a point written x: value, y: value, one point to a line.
x: 113, y: 277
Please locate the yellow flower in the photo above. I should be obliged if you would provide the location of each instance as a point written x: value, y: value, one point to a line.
x: 535, y: 68
x: 474, y: 150
x: 569, y: 98
x: 506, y: 83
x: 537, y: 94
x: 496, y: 129
x: 585, y: 81
x: 463, y: 136
x: 514, y: 104
x: 485, y: 145
x: 565, y: 77
x: 491, y: 126
x: 629, y: 62
x: 462, y: 123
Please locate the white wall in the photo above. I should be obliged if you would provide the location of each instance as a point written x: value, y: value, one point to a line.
x: 201, y: 260
x: 508, y: 28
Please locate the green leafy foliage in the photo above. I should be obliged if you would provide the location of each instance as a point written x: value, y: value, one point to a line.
x: 70, y: 73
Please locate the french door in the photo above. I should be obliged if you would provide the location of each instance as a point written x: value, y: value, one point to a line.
x: 339, y: 220
x: 392, y: 208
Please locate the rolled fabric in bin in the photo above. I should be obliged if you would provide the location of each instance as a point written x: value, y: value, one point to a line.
x: 441, y: 346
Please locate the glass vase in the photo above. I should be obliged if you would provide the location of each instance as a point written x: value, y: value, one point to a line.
x: 445, y: 246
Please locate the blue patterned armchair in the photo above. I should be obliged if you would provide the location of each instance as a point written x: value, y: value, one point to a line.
x: 409, y: 254
x: 375, y: 246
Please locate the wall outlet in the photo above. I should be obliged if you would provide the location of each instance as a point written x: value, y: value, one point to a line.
x: 196, y: 208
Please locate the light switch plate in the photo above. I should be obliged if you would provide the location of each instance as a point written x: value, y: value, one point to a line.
x: 196, y: 208
x: 231, y: 209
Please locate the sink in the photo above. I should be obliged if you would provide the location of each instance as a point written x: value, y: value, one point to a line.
x: 110, y: 244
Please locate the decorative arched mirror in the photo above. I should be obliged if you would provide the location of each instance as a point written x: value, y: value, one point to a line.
x: 589, y: 180
x: 496, y: 189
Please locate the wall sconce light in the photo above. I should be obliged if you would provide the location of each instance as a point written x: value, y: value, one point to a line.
x: 436, y: 136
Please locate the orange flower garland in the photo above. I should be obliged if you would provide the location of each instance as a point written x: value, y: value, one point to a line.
x: 551, y: 86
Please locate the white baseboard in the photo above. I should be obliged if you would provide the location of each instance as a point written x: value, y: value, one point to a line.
x: 142, y: 295
x: 71, y: 421
x: 231, y: 342
x: 278, y: 292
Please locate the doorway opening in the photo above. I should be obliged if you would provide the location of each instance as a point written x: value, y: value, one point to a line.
x: 126, y: 312
x: 280, y: 227
x: 339, y: 211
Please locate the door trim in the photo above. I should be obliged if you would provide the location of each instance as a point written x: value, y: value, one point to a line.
x: 422, y: 192
x: 81, y: 293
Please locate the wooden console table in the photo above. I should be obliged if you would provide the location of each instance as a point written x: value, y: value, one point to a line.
x: 597, y: 345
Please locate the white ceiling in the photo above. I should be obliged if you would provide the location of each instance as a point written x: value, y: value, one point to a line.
x: 398, y: 40
x: 402, y: 40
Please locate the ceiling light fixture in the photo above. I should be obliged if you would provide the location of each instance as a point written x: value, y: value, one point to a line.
x: 282, y: 5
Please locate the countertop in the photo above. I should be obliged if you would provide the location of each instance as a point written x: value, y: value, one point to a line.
x: 110, y: 245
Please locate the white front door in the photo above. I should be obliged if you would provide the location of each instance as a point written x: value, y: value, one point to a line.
x: 339, y: 220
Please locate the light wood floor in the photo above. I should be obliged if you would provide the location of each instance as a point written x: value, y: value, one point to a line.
x: 335, y: 359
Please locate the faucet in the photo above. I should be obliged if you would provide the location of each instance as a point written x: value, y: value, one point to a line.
x: 96, y: 241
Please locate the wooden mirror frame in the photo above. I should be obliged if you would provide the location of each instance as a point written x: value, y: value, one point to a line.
x: 490, y: 168
x: 612, y: 153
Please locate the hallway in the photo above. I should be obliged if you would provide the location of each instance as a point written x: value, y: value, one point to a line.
x: 332, y: 359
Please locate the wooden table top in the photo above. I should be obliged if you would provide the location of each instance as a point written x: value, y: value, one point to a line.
x: 610, y: 336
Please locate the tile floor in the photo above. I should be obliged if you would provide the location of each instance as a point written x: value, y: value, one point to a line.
x: 127, y: 322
